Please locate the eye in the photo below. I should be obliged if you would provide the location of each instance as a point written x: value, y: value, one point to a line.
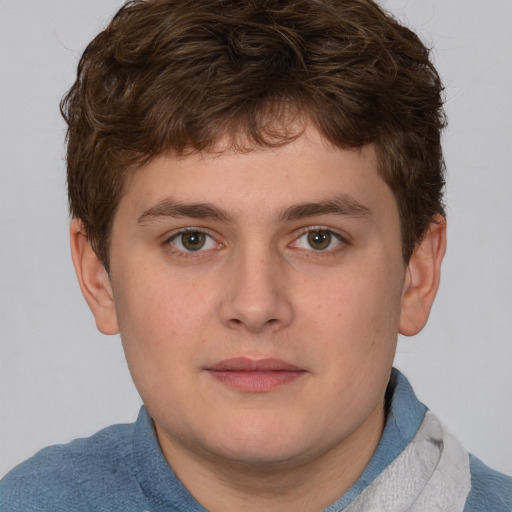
x: 192, y: 241
x: 319, y: 240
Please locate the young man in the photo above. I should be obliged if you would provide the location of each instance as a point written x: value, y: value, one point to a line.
x: 256, y: 191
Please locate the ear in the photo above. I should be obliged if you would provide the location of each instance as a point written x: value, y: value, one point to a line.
x: 422, y: 279
x: 93, y: 279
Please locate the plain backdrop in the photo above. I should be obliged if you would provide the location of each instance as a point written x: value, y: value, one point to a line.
x: 60, y: 379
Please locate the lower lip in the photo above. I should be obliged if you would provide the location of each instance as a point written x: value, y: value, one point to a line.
x: 256, y: 381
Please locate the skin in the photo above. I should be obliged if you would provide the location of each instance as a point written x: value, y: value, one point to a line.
x: 258, y: 289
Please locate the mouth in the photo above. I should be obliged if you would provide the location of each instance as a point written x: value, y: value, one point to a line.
x: 255, y: 375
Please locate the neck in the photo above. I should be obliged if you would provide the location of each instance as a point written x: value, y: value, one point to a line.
x: 309, y: 485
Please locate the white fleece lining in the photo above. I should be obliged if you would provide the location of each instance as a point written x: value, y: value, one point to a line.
x: 431, y: 474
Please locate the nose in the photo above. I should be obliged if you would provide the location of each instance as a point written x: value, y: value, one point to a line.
x: 257, y: 296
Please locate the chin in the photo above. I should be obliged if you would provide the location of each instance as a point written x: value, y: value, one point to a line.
x: 262, y: 457
x: 272, y: 446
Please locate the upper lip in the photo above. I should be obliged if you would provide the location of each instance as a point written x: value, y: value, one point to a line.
x: 245, y: 364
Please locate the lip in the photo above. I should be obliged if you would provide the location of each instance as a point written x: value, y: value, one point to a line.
x: 255, y: 375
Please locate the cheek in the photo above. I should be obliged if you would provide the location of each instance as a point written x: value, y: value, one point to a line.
x: 157, y: 346
x: 355, y: 315
x: 155, y: 305
x: 163, y: 319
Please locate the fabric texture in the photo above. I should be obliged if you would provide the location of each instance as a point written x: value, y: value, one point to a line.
x: 416, y: 467
x: 432, y: 473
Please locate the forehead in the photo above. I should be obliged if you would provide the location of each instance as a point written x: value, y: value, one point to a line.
x: 262, y: 180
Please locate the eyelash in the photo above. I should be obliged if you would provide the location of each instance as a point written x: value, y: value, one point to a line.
x: 191, y: 253
x: 340, y: 241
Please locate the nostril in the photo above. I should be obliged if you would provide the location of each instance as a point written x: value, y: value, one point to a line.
x: 236, y: 323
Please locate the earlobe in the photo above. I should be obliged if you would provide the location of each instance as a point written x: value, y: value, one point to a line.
x: 422, y: 279
x: 93, y: 279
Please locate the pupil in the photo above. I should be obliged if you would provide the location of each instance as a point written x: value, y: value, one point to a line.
x: 319, y: 239
x: 193, y: 241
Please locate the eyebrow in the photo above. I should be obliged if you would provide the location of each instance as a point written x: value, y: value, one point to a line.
x: 170, y: 208
x: 342, y: 204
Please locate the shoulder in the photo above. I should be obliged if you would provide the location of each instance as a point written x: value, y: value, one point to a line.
x: 490, y: 490
x: 69, y: 477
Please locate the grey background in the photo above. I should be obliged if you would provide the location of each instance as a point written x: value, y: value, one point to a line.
x: 60, y: 379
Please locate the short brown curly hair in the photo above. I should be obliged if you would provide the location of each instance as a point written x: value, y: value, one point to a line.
x: 175, y: 76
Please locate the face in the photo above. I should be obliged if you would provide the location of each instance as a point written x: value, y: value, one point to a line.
x: 258, y: 297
